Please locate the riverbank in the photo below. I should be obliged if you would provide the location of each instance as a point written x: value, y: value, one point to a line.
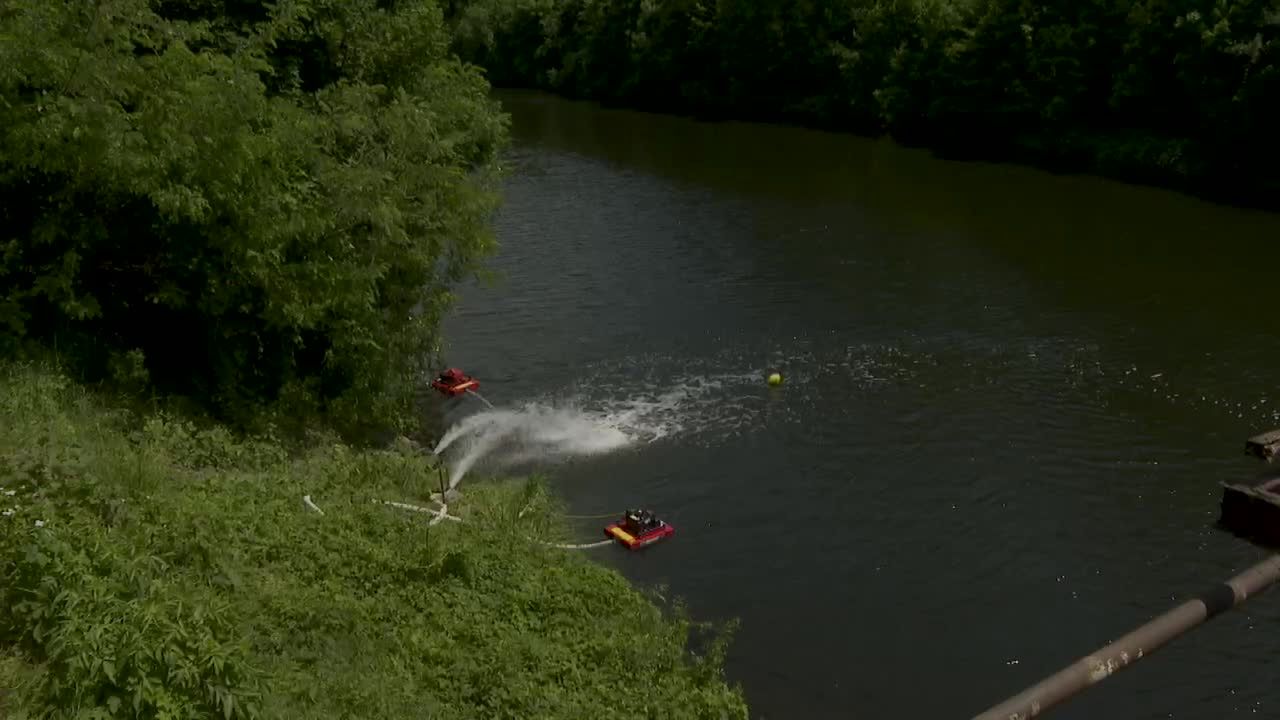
x: 1141, y: 91
x: 150, y: 566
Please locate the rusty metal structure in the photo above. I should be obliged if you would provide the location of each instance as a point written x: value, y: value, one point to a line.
x: 1098, y: 666
x: 1146, y: 639
x: 1263, y: 446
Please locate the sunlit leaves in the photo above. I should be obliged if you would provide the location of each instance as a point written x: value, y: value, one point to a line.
x: 170, y: 191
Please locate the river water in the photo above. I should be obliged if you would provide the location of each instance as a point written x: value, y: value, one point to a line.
x: 1009, y: 399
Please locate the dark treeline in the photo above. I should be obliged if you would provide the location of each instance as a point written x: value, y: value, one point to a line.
x: 251, y: 205
x: 1183, y: 93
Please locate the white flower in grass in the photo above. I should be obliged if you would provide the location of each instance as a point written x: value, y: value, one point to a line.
x: 39, y: 523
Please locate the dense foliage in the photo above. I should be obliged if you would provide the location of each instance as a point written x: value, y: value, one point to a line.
x: 262, y: 207
x: 1179, y: 92
x: 245, y: 203
x: 152, y: 569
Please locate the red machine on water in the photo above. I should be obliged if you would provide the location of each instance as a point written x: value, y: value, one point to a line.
x: 638, y: 529
x: 454, y: 382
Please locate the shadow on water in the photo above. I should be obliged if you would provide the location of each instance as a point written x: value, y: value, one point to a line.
x: 1194, y: 274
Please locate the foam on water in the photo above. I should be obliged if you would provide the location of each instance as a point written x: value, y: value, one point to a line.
x: 530, y: 432
x: 598, y: 419
x: 685, y: 406
x: 704, y: 401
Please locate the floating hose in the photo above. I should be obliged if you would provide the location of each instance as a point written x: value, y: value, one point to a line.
x: 482, y: 399
x: 572, y: 546
x: 583, y: 546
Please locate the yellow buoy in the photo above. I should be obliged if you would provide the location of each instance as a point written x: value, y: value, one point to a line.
x: 775, y: 379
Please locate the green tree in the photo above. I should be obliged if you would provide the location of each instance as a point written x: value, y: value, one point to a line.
x: 1182, y: 92
x: 270, y: 202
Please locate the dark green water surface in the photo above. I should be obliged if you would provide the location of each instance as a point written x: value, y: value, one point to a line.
x: 1009, y: 399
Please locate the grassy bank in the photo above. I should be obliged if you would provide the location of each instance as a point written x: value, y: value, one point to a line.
x: 1183, y: 94
x: 152, y: 569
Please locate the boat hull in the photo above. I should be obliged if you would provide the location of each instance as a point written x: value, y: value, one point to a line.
x: 643, y: 540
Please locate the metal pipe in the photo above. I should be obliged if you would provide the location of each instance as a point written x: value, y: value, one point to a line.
x: 1098, y: 666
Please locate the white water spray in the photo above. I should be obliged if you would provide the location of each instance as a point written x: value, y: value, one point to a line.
x: 532, y: 432
x: 605, y: 419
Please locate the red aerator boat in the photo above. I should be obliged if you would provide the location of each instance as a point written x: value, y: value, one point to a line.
x: 454, y: 382
x: 638, y: 529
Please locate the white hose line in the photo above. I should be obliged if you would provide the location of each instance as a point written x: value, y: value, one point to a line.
x: 583, y: 546
x: 442, y: 514
x: 407, y: 506
x: 486, y: 402
x: 306, y: 499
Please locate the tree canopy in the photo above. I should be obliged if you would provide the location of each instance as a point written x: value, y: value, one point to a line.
x: 242, y: 202
x: 1184, y: 93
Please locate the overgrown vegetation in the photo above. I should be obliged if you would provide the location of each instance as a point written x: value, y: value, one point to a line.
x: 260, y: 209
x: 152, y: 569
x: 253, y: 205
x: 1183, y: 93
